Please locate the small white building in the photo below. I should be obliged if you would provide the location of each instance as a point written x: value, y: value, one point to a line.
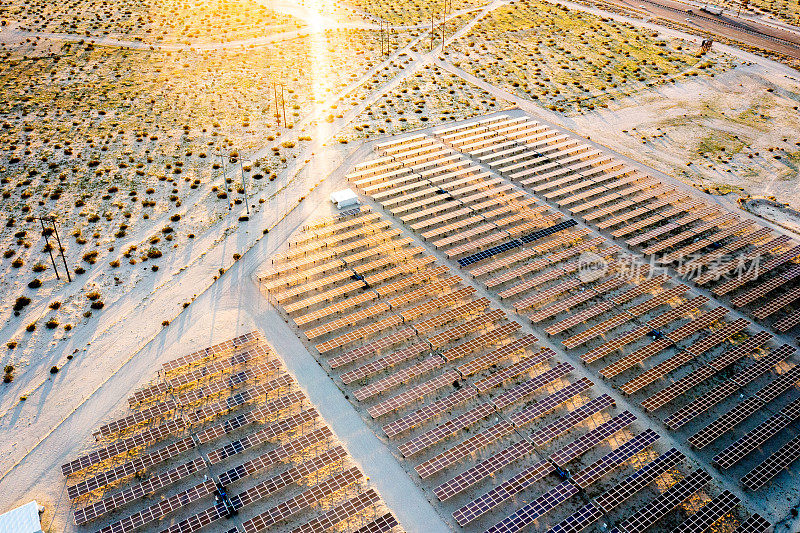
x: 23, y: 519
x: 345, y: 198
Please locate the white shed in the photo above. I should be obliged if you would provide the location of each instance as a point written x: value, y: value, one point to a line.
x: 345, y: 198
x: 23, y: 519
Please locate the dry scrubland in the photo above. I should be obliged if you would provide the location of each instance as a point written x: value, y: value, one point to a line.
x: 571, y: 61
x: 786, y: 10
x: 429, y: 97
x: 156, y: 21
x: 121, y: 145
x: 412, y: 11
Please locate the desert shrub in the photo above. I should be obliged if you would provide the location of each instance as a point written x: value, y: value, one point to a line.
x: 21, y: 302
x: 90, y: 257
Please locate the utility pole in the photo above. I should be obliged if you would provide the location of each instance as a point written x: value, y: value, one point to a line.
x: 221, y: 154
x: 49, y: 248
x: 433, y: 33
x: 244, y: 187
x: 60, y: 249
x: 283, y: 106
x: 277, y: 111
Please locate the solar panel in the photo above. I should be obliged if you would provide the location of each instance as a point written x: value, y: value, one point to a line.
x: 200, y: 520
x: 428, y: 412
x: 526, y: 388
x: 515, y: 243
x: 384, y: 362
x: 463, y: 449
x: 723, y: 504
x: 482, y: 470
x: 136, y: 419
x: 398, y: 378
x: 492, y: 358
x: 137, y: 491
x: 701, y: 404
x: 520, y: 367
x: 542, y: 505
x: 615, y: 344
x: 372, y: 347
x: 230, y: 382
x: 550, y: 402
x: 137, y: 440
x: 615, y: 496
x: 256, y: 415
x: 755, y: 524
x: 579, y: 520
x: 382, y: 524
x: 448, y: 429
x: 268, y: 432
x: 278, y: 455
x: 788, y: 322
x: 502, y: 492
x: 773, y: 465
x: 414, y: 394
x: 612, y: 460
x: 130, y: 468
x: 589, y: 440
x: 571, y: 419
x: 339, y: 513
x: 241, y: 398
x: 162, y: 508
x: 302, y: 501
x: 491, y: 337
x: 722, y: 424
x: 635, y: 357
x: 212, y: 352
x: 665, y: 502
x: 751, y: 440
x: 779, y: 385
x: 676, y: 389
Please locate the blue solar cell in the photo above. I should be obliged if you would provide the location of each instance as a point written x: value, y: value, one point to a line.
x: 499, y: 249
x: 480, y: 256
x: 536, y: 235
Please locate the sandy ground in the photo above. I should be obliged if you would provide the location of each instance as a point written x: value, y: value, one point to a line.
x: 118, y: 348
